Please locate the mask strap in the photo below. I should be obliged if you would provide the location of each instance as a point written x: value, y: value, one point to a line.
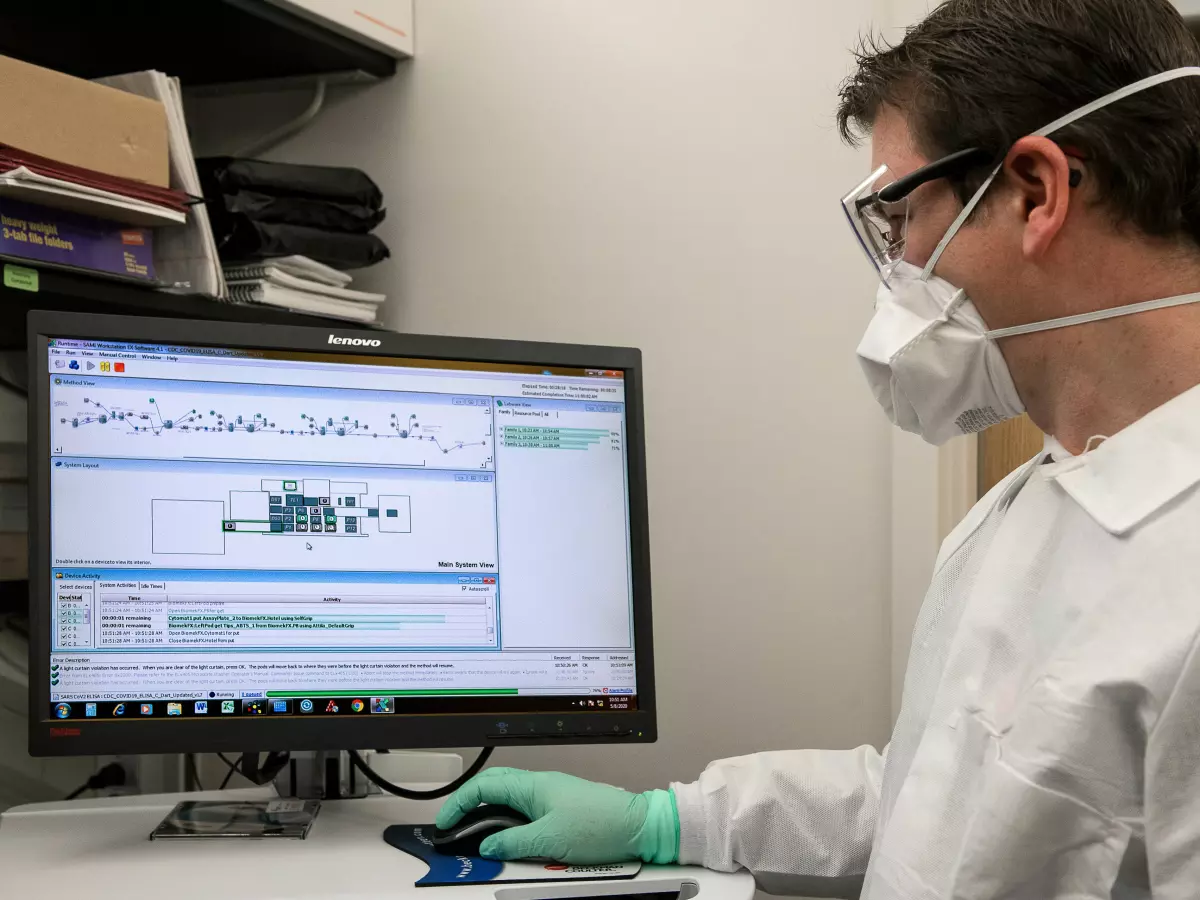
x: 958, y: 223
x: 1100, y: 103
x: 1098, y: 315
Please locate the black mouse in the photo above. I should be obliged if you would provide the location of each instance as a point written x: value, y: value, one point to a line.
x: 464, y: 838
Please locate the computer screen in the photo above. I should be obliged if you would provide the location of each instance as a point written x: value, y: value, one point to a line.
x: 245, y: 534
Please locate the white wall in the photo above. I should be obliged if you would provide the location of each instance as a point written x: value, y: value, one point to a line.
x: 665, y: 175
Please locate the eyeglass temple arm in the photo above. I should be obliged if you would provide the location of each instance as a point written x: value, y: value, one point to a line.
x: 947, y: 165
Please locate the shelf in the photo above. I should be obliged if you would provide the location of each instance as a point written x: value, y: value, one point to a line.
x: 214, y: 42
x: 66, y: 291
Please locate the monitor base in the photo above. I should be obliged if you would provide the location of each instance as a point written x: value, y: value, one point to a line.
x: 321, y: 775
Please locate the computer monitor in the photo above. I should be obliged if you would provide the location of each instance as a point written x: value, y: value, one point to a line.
x: 254, y: 537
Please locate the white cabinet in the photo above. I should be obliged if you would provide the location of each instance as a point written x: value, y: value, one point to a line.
x: 386, y: 25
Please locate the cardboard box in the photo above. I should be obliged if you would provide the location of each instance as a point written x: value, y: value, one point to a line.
x: 83, y: 124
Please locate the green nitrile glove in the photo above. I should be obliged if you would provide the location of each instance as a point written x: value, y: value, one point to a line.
x: 573, y: 820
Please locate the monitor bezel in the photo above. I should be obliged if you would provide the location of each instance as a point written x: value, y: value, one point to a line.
x: 75, y: 737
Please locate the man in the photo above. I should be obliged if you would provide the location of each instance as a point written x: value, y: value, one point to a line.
x: 1049, y: 739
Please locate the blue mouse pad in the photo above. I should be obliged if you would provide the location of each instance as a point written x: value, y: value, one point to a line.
x: 445, y: 870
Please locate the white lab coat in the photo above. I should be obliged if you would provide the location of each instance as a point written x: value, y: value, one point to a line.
x: 1048, y: 744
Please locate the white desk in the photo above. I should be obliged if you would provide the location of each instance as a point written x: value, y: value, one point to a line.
x: 100, y: 849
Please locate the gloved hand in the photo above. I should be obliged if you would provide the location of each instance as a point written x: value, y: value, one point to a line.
x: 573, y: 820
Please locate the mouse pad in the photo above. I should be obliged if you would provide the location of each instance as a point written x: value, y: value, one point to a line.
x: 445, y: 870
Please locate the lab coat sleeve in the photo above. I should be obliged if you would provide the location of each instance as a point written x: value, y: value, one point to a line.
x: 802, y: 821
x: 1172, y: 792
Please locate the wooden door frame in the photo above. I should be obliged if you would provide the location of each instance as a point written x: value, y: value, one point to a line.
x: 958, y: 482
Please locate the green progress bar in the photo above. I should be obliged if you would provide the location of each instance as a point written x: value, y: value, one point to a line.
x: 383, y: 692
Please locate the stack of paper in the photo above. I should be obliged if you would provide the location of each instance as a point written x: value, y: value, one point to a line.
x: 304, y: 285
x: 23, y: 184
x: 185, y: 257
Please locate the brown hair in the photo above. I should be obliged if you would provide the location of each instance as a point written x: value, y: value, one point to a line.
x: 984, y: 73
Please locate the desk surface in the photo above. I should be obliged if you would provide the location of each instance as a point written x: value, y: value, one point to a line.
x: 100, y: 849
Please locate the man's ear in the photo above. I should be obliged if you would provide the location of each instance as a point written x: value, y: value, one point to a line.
x: 1037, y: 170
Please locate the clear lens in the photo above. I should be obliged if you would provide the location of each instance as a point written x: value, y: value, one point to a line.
x: 879, y: 227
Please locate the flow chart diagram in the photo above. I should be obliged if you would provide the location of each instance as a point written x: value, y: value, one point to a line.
x: 298, y: 508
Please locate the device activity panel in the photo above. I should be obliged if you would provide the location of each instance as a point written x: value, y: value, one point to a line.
x: 186, y: 609
x: 151, y: 513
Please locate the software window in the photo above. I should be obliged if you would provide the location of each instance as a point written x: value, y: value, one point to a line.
x: 239, y: 526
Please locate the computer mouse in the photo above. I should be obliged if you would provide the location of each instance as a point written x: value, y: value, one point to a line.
x: 464, y: 838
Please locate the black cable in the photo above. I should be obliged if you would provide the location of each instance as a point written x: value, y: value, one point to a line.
x: 255, y: 773
x: 444, y: 791
x: 112, y: 775
x: 233, y: 768
x: 228, y: 775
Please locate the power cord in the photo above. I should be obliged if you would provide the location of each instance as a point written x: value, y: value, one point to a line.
x: 444, y: 791
x: 112, y: 775
x: 233, y: 769
x: 263, y: 773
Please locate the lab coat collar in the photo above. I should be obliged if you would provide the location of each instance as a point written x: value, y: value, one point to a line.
x: 1129, y: 477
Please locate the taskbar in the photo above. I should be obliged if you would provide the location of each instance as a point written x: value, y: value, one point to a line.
x: 340, y: 705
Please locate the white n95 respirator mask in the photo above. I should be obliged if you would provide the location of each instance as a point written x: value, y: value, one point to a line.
x: 931, y: 361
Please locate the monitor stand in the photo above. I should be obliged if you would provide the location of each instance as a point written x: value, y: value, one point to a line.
x: 330, y: 775
x: 321, y: 775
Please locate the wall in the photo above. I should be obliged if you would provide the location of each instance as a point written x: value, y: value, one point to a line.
x: 663, y: 175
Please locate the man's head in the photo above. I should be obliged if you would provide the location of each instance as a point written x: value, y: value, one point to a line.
x: 987, y: 74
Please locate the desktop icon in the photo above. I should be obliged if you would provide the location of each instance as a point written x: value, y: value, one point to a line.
x: 147, y: 709
x: 254, y: 707
x: 174, y: 709
x: 331, y: 707
x: 63, y: 710
x: 200, y: 707
x: 306, y: 706
x: 383, y: 705
x: 119, y: 709
x: 227, y: 706
x: 357, y: 706
x: 281, y: 707
x: 89, y: 710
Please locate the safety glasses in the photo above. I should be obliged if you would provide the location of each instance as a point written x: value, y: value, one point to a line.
x: 877, y: 209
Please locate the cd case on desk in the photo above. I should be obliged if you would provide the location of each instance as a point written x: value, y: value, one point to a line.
x: 285, y: 818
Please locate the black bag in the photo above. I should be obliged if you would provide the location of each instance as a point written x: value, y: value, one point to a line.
x: 327, y: 214
x: 341, y: 185
x: 250, y: 240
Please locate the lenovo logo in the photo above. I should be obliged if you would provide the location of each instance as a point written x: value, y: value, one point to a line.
x: 354, y: 342
x: 64, y: 732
